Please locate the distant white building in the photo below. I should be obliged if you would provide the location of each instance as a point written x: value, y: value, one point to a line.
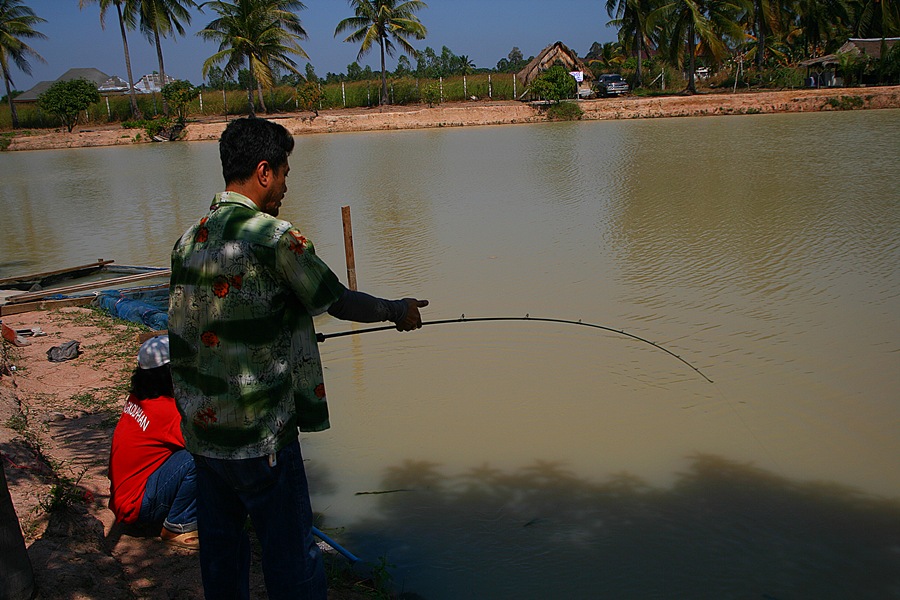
x: 113, y: 85
x: 108, y: 85
x: 151, y: 83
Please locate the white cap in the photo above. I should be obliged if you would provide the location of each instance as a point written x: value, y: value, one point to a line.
x: 154, y: 352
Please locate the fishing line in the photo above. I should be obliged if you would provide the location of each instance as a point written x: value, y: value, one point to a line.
x: 321, y: 337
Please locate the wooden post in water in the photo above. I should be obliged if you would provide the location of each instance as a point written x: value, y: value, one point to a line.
x: 348, y: 248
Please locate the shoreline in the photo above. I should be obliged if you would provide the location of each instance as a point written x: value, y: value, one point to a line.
x: 506, y: 112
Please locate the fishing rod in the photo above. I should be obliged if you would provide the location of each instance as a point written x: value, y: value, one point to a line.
x: 321, y: 337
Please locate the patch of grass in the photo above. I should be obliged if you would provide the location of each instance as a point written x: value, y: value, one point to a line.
x: 845, y: 102
x: 564, y: 111
x: 85, y: 399
x: 18, y: 423
x: 64, y: 493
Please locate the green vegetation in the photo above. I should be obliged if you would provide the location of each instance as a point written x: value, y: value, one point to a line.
x: 64, y: 492
x: 126, y: 21
x: 161, y: 18
x: 564, y: 111
x: 382, y: 22
x: 845, y: 102
x: 66, y: 99
x: 179, y: 95
x: 17, y: 23
x: 554, y: 84
x: 263, y: 32
x: 309, y: 95
x: 431, y: 94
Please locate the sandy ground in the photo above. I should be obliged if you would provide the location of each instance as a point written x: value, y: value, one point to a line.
x: 56, y: 423
x: 495, y: 113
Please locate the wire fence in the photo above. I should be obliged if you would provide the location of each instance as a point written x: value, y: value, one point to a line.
x: 280, y: 99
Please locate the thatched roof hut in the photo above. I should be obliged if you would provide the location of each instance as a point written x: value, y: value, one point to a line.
x: 547, y: 58
x: 859, y: 46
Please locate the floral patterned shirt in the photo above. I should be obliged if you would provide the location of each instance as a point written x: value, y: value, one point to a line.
x: 245, y: 363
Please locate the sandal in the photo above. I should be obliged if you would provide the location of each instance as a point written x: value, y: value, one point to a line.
x: 188, y: 539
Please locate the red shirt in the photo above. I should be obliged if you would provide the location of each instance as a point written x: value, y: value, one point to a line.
x: 148, y: 433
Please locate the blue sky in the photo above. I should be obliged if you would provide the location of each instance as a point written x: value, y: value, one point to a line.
x: 484, y: 30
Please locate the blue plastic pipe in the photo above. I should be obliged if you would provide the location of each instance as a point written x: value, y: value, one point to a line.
x: 341, y: 550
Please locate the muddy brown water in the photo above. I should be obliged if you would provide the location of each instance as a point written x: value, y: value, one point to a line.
x: 535, y: 460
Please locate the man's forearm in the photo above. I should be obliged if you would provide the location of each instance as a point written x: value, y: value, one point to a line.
x: 363, y: 308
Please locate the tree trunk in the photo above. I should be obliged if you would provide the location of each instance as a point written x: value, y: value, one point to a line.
x: 162, y: 69
x: 9, y: 98
x: 384, y: 90
x: 135, y: 111
x: 691, y: 87
x: 17, y: 582
x: 760, y: 34
x: 250, y: 87
x: 262, y: 100
x: 639, y: 42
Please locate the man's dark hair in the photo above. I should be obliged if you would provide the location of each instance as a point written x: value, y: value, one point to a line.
x: 152, y: 383
x: 247, y: 142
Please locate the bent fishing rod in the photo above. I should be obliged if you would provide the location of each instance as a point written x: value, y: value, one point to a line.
x: 321, y: 337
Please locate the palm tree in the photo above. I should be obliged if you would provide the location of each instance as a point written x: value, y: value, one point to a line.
x: 631, y: 17
x: 263, y: 32
x: 821, y: 21
x: 878, y: 18
x: 605, y: 57
x: 127, y: 20
x: 17, y: 24
x: 763, y: 21
x: 699, y: 27
x: 380, y: 21
x: 466, y: 65
x: 160, y: 18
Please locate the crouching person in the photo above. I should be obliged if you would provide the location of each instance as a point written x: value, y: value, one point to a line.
x: 152, y: 476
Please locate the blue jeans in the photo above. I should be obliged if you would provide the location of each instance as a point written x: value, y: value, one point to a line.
x: 171, y: 494
x: 276, y: 498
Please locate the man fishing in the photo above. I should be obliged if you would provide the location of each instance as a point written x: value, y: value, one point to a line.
x: 246, y: 368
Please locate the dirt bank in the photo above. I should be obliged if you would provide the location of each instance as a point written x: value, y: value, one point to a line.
x: 498, y: 113
x: 56, y: 423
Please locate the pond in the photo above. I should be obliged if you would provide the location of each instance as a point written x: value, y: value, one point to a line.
x: 525, y: 459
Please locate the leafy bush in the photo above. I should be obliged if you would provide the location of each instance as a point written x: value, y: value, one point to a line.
x: 845, y: 102
x: 564, y: 111
x: 431, y: 93
x: 152, y: 127
x: 308, y: 96
x: 66, y: 98
x: 179, y: 94
x: 554, y: 84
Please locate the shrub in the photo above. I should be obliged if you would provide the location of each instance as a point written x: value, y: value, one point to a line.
x: 179, y: 94
x: 308, y: 96
x: 554, y: 84
x: 431, y: 93
x: 151, y: 127
x: 564, y: 111
x: 66, y: 99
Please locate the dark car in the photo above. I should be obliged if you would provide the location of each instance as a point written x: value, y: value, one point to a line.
x: 611, y: 85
